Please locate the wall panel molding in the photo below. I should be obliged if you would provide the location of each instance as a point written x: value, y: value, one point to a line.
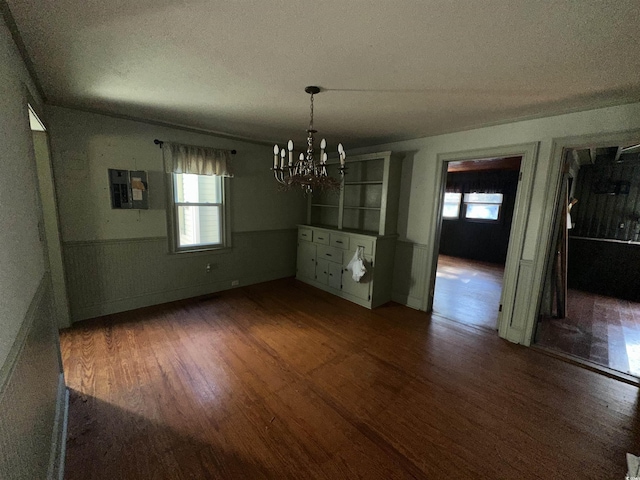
x: 410, y: 273
x: 32, y: 396
x: 109, y: 276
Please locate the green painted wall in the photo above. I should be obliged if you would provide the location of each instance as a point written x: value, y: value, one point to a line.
x: 85, y: 145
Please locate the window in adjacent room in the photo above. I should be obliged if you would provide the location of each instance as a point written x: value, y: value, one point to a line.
x: 451, y: 207
x: 482, y: 206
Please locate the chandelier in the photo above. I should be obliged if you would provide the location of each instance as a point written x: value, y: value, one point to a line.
x: 306, y: 172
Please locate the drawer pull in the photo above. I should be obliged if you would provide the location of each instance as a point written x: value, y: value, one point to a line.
x: 304, y: 234
x: 320, y: 238
x: 328, y: 254
x: 339, y: 241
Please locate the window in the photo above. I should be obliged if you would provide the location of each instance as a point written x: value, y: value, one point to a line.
x: 198, y: 213
x: 482, y: 206
x: 451, y: 207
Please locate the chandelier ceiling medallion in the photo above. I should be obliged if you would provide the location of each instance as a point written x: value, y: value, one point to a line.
x: 306, y: 172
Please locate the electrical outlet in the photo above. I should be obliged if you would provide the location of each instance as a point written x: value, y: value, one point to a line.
x: 211, y: 266
x: 235, y: 283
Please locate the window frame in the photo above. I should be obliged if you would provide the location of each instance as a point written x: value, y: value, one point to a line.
x: 173, y: 222
x: 483, y: 220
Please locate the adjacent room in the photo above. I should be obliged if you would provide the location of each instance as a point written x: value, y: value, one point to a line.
x: 253, y: 240
x: 591, y: 301
x: 477, y: 214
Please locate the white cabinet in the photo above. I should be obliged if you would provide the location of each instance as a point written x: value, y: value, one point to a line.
x: 306, y: 263
x: 323, y: 256
x: 362, y: 215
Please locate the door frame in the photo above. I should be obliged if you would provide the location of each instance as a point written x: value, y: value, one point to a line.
x: 550, y: 210
x: 48, y: 206
x: 529, y: 154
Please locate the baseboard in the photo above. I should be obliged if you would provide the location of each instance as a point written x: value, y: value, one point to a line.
x: 407, y: 300
x: 155, y: 298
x: 59, y: 433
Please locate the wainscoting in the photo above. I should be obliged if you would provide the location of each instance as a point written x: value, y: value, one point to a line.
x: 409, y: 274
x: 33, y: 397
x: 105, y: 277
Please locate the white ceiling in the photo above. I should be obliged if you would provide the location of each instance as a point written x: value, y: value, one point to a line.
x: 391, y: 69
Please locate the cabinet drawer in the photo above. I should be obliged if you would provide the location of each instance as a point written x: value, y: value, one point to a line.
x: 365, y: 243
x: 321, y: 237
x: 340, y: 240
x: 305, y: 234
x: 330, y: 253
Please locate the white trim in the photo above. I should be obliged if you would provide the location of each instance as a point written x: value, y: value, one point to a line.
x: 59, y: 433
x: 529, y: 154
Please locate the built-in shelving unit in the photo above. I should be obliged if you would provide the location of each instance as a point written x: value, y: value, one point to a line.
x: 368, y: 199
x: 362, y: 215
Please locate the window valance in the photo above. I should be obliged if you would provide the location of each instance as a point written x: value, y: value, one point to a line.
x: 179, y: 158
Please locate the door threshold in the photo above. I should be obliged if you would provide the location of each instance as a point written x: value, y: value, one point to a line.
x: 589, y: 365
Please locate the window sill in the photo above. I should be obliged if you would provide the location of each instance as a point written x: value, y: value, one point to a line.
x: 203, y: 251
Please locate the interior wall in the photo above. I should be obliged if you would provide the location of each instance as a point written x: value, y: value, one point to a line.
x: 421, y: 176
x: 31, y: 385
x: 118, y: 259
x: 600, y: 215
x: 21, y: 254
x: 480, y: 240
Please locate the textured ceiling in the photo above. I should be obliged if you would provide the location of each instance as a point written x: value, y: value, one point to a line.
x: 390, y: 70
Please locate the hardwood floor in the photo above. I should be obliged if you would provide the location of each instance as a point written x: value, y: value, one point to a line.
x: 281, y: 380
x: 603, y: 330
x: 468, y: 291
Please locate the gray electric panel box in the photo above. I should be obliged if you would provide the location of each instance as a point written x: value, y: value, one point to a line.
x: 129, y: 189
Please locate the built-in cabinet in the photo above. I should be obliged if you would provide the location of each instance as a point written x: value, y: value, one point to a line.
x: 323, y: 256
x: 361, y: 216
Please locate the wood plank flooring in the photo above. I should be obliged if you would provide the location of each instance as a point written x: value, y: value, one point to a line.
x: 468, y: 291
x: 603, y: 330
x: 281, y: 380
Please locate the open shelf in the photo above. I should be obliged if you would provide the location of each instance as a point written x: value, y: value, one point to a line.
x: 364, y: 183
x: 368, y: 199
x: 361, y: 208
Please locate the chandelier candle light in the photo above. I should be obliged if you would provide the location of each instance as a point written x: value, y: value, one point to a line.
x: 306, y: 172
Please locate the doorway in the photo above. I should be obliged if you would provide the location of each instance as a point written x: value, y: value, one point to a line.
x: 475, y: 229
x: 590, y: 306
x: 49, y: 222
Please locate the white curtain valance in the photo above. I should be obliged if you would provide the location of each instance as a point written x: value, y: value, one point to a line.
x: 179, y: 158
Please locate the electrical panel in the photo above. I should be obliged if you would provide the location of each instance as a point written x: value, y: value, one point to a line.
x: 129, y: 189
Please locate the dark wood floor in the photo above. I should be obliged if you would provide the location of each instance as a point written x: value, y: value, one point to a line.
x: 600, y: 329
x: 468, y: 291
x: 281, y: 380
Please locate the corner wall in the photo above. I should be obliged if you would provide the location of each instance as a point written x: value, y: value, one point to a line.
x: 118, y: 260
x: 32, y: 390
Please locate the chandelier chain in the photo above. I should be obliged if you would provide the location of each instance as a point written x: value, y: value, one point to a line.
x: 311, y: 118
